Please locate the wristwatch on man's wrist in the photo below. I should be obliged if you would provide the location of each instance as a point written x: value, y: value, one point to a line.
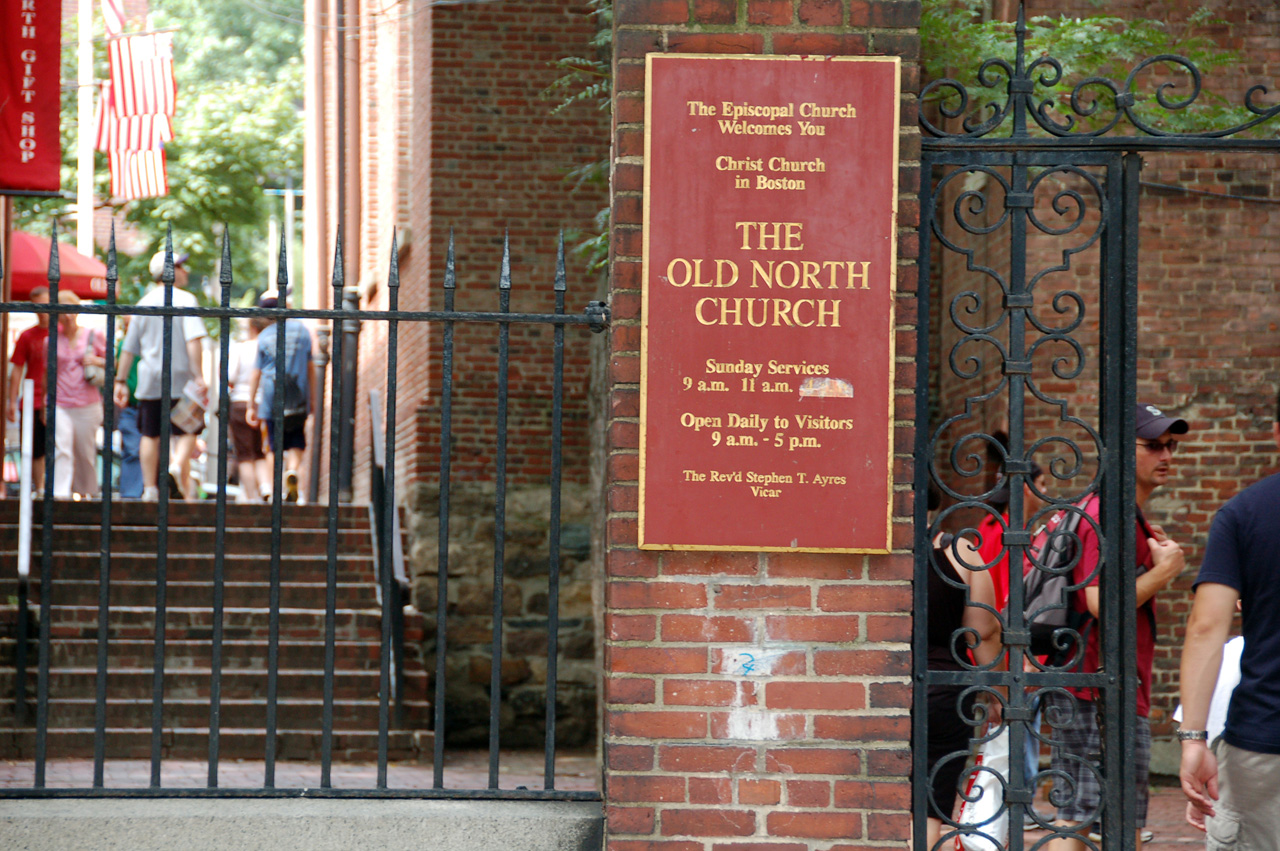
x: 1193, y: 735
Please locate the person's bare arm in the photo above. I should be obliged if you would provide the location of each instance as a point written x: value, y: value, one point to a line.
x: 977, y: 616
x: 195, y: 358
x: 120, y: 393
x: 251, y: 410
x: 1167, y: 561
x: 15, y: 382
x: 1207, y: 629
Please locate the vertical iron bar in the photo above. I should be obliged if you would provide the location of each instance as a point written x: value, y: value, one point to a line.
x: 499, y: 512
x: 442, y: 553
x: 104, y: 534
x: 553, y: 548
x: 331, y: 570
x: 220, y: 514
x: 162, y: 513
x: 1128, y: 635
x: 46, y: 561
x: 919, y: 637
x: 1016, y: 451
x: 277, y: 510
x: 390, y: 585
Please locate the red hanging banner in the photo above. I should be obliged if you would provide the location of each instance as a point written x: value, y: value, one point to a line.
x: 30, y: 94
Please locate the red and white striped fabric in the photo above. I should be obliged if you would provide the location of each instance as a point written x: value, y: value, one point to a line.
x: 142, y: 75
x: 135, y: 133
x: 113, y: 17
x: 138, y: 174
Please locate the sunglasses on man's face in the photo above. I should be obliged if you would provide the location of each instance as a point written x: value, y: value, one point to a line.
x: 1158, y: 446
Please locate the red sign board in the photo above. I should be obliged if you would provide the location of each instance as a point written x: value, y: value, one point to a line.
x: 30, y: 94
x: 767, y: 343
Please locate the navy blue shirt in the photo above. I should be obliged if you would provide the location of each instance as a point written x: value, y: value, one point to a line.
x: 1244, y: 554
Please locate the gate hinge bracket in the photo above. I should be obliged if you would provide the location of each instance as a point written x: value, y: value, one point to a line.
x: 598, y: 315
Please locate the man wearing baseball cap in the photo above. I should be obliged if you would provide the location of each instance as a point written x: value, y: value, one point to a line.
x: 145, y: 341
x: 1159, y: 560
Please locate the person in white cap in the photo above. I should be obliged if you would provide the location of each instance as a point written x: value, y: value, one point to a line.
x: 145, y: 341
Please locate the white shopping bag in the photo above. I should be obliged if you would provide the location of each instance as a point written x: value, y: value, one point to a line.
x: 985, y: 797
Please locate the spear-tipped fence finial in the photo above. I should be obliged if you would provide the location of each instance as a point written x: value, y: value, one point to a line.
x: 113, y: 270
x: 167, y: 275
x: 560, y: 276
x: 225, y: 276
x: 450, y: 275
x: 282, y: 269
x: 393, y: 273
x: 55, y: 266
x: 504, y: 281
x: 337, y: 280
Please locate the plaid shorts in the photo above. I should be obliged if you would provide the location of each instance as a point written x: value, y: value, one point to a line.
x: 1077, y: 791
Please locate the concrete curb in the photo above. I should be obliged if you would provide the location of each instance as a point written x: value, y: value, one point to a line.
x: 232, y: 824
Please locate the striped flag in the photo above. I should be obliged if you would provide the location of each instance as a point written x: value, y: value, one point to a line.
x: 134, y: 133
x: 142, y: 75
x: 138, y: 174
x: 113, y: 17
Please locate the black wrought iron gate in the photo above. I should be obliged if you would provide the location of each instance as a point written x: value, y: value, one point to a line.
x: 1027, y: 348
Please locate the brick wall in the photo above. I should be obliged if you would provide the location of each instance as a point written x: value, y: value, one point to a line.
x: 809, y: 747
x: 1208, y: 312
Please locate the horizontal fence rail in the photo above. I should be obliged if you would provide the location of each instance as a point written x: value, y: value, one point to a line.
x: 282, y: 544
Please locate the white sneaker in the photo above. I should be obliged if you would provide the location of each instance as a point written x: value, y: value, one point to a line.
x: 150, y: 494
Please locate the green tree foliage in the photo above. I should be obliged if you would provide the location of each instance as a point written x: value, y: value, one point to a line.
x: 956, y: 36
x: 237, y: 131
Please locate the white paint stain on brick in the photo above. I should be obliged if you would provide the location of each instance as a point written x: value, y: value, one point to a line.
x: 747, y: 723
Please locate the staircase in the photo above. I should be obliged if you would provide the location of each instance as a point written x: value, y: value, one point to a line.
x: 188, y: 635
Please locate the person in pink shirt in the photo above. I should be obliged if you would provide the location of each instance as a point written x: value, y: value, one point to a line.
x: 79, y: 406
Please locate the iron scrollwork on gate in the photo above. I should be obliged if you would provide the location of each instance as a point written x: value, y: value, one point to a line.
x: 1026, y: 367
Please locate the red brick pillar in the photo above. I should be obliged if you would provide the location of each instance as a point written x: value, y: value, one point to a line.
x: 810, y: 749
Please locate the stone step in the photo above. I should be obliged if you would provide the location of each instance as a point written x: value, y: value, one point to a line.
x: 197, y: 623
x: 237, y: 654
x: 195, y: 683
x: 192, y: 567
x: 204, y: 513
x: 293, y: 713
x: 233, y: 743
x: 134, y: 592
x: 190, y: 540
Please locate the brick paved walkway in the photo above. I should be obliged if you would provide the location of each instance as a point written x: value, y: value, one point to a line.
x: 575, y: 771
x: 1165, y: 819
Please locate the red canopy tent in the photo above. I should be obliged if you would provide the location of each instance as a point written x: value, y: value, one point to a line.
x: 28, y: 261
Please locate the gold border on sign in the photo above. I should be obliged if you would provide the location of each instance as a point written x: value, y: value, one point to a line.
x: 896, y: 61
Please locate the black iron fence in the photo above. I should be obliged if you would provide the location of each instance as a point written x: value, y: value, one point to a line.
x: 39, y: 643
